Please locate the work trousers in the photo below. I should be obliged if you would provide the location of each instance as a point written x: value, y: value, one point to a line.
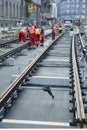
x: 32, y: 40
x: 53, y: 36
x: 22, y: 36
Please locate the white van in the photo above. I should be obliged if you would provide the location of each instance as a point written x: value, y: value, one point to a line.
x: 68, y: 24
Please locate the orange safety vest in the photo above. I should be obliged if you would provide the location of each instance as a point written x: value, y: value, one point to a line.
x: 37, y: 31
x: 31, y: 30
x: 22, y: 30
x: 41, y: 36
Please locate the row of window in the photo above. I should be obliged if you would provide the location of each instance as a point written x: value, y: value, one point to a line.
x: 73, y: 5
x: 76, y: 6
x: 73, y: 12
x: 75, y: 1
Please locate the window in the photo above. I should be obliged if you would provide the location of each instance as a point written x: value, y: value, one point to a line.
x: 77, y: 5
x: 68, y: 1
x: 84, y: 1
x: 67, y: 11
x: 83, y: 6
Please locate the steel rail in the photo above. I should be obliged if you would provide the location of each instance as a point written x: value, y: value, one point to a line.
x: 8, y: 42
x: 18, y: 81
x: 80, y: 113
x: 10, y: 52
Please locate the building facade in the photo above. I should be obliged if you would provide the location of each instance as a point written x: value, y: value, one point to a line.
x: 34, y: 7
x: 14, y: 11
x: 71, y: 9
x: 48, y: 10
x: 11, y: 12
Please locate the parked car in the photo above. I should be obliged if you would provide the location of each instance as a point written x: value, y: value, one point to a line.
x: 68, y: 24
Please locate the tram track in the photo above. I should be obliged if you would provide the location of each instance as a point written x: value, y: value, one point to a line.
x: 16, y: 49
x: 6, y: 43
x: 13, y: 51
x: 50, y: 68
x: 15, y: 64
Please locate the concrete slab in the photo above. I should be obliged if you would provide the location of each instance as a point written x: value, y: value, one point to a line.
x: 57, y: 62
x: 52, y: 72
x: 61, y: 46
x: 58, y: 54
x: 44, y: 80
x: 59, y: 51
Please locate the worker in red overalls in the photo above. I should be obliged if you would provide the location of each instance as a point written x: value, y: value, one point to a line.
x: 53, y: 32
x: 42, y: 36
x: 22, y: 35
x: 32, y: 37
x: 37, y: 36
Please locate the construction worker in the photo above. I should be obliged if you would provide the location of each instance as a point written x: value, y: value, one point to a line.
x: 32, y: 36
x: 53, y: 32
x: 42, y: 35
x: 47, y: 89
x: 37, y: 36
x: 22, y: 35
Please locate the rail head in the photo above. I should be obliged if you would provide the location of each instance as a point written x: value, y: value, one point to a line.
x: 79, y: 101
x: 12, y: 51
x: 8, y: 42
